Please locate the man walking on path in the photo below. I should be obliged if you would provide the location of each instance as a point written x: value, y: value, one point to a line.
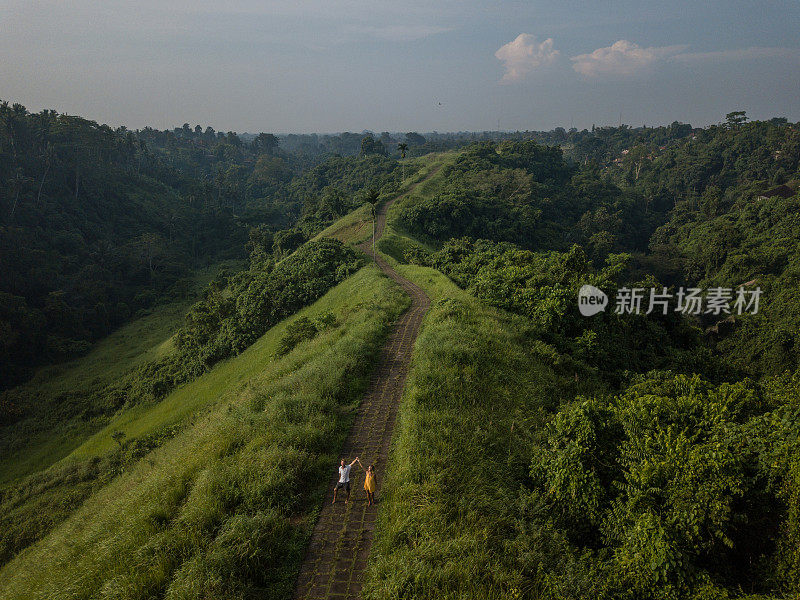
x: 344, y: 479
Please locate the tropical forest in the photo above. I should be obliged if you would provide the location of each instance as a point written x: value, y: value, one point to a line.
x: 275, y: 359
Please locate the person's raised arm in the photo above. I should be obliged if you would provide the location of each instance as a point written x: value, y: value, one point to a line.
x: 355, y: 460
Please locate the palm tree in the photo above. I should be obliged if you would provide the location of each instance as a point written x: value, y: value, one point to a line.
x: 372, y: 200
x: 17, y: 183
x: 403, y: 147
x: 48, y: 155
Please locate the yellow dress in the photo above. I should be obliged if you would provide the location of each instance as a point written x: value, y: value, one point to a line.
x: 369, y: 483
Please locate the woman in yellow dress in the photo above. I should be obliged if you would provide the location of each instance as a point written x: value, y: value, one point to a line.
x: 369, y: 485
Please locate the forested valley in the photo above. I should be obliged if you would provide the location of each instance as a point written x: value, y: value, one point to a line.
x: 623, y: 455
x: 630, y: 454
x: 98, y: 224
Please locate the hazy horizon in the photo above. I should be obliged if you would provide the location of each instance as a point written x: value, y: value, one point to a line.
x: 328, y: 67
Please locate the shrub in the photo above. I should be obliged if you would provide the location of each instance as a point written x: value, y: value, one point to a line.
x: 417, y: 256
x: 678, y: 483
x: 236, y: 311
x: 543, y: 286
x: 9, y: 410
x: 303, y: 329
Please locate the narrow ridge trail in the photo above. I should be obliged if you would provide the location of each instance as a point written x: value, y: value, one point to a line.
x: 337, y: 555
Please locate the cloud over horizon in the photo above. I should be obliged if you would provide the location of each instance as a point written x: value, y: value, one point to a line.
x: 332, y: 65
x: 622, y: 59
x: 523, y: 55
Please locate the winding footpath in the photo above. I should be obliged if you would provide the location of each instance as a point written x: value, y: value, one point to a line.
x: 339, y: 548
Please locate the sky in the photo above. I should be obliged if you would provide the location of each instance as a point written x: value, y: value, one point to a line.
x: 404, y: 65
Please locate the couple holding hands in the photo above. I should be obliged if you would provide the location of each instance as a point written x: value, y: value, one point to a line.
x: 344, y: 481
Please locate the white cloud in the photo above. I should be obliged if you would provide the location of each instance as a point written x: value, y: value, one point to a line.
x: 523, y: 55
x: 622, y: 59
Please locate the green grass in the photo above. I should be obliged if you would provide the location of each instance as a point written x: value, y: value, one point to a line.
x: 224, y: 381
x: 40, y: 439
x: 223, y: 508
x: 395, y: 241
x: 479, y: 382
x: 353, y: 228
x: 356, y: 227
x: 430, y: 163
x: 65, y: 465
x: 452, y: 522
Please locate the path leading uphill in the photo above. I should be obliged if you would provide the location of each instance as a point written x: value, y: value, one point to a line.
x: 337, y: 555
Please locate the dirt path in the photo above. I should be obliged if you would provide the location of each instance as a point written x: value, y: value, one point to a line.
x: 337, y: 555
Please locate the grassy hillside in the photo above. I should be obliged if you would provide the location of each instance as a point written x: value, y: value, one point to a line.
x: 519, y: 470
x: 62, y: 470
x: 44, y: 436
x: 356, y: 227
x: 353, y: 228
x: 396, y: 241
x: 449, y: 511
x: 231, y: 491
x: 480, y: 383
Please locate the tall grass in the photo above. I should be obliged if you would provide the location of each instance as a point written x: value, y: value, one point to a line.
x: 57, y: 396
x: 356, y: 227
x: 225, y: 507
x: 451, y: 524
x: 396, y: 242
x: 353, y: 228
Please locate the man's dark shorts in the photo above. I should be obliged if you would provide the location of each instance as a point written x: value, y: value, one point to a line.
x: 345, y: 485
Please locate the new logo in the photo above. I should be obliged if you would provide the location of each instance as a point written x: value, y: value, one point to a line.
x: 591, y: 300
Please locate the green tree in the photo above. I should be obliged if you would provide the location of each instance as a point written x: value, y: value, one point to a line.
x: 736, y: 118
x: 403, y: 147
x: 371, y: 146
x: 264, y: 143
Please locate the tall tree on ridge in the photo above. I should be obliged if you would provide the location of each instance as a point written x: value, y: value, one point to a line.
x: 402, y: 146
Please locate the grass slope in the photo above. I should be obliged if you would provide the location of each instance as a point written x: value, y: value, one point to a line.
x: 223, y: 382
x: 223, y: 507
x: 396, y: 242
x: 449, y: 512
x: 452, y: 519
x: 451, y: 523
x: 44, y: 437
x: 356, y: 227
